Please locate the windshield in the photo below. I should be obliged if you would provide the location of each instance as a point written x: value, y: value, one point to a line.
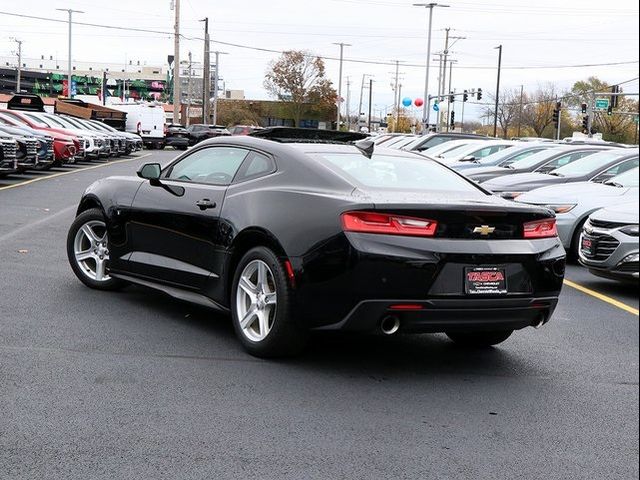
x: 58, y: 122
x: 627, y: 179
x: 474, y: 150
x: 510, y: 155
x: 37, y: 120
x: 534, y: 159
x: 588, y: 164
x: 395, y: 172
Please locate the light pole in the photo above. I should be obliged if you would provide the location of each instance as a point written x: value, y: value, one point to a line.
x: 216, y: 78
x: 360, y: 113
x: 495, y: 119
x: 70, y: 69
x: 19, y: 71
x: 342, y: 45
x: 425, y: 109
x: 206, y: 73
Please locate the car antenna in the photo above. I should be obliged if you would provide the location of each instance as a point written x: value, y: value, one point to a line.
x: 366, y: 147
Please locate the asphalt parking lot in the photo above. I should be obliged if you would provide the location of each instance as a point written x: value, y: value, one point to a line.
x: 137, y: 385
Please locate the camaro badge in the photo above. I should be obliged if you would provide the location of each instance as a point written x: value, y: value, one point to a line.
x: 484, y: 230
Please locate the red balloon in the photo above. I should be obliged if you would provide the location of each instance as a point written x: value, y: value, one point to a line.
x: 418, y: 102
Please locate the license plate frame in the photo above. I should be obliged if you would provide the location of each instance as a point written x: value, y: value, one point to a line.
x: 485, y: 280
x: 588, y: 245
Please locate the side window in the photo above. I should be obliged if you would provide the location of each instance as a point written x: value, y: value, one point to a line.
x: 213, y: 165
x: 256, y: 165
x: 616, y: 170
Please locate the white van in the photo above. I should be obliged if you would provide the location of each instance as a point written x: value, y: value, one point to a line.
x: 147, y: 120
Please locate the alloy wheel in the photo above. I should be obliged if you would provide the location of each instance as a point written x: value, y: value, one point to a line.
x: 256, y: 300
x: 91, y: 250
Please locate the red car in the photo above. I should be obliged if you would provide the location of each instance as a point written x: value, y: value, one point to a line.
x: 65, y: 144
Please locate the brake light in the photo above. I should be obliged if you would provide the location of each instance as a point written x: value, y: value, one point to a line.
x: 370, y: 222
x: 541, y: 228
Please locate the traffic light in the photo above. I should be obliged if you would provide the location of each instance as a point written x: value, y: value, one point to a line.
x: 452, y: 97
x: 614, y: 98
x: 556, y: 114
x: 453, y: 119
x: 583, y: 107
x: 610, y: 110
x: 465, y: 96
x: 585, y: 123
x: 479, y: 94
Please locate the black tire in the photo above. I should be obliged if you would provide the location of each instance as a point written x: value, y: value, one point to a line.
x: 479, y: 339
x: 110, y: 283
x: 575, y: 242
x: 286, y: 337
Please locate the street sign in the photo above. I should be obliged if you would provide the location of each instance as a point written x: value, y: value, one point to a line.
x: 602, y: 103
x: 436, y: 107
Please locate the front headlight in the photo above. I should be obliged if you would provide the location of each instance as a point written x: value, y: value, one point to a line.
x: 562, y: 208
x: 631, y: 230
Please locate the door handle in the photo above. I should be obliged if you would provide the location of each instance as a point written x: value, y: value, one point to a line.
x: 205, y: 203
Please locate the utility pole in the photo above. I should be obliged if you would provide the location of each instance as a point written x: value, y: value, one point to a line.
x: 189, y: 92
x: 177, y: 102
x: 19, y: 72
x: 342, y: 45
x: 69, y: 67
x: 520, y: 110
x: 370, y: 103
x: 361, y: 95
x: 445, y: 54
x: 104, y: 88
x: 426, y: 107
x: 450, y: 105
x: 206, y: 73
x: 495, y: 119
x: 348, y: 104
x: 396, y: 93
x: 216, y: 80
x: 395, y: 130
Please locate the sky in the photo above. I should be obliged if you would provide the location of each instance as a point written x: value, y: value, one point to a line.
x: 543, y: 41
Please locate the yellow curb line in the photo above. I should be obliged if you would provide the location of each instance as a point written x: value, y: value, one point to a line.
x: 22, y: 184
x: 604, y: 298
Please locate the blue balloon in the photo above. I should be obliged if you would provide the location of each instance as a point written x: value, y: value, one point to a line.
x: 406, y: 101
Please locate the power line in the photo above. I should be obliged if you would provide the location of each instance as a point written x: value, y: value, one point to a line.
x: 350, y: 60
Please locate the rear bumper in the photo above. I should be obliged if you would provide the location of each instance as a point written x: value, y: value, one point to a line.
x: 447, y: 315
x: 353, y: 282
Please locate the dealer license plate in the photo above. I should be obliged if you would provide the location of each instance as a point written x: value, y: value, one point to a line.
x: 485, y: 281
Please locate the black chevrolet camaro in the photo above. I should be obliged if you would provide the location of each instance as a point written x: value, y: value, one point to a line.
x: 294, y: 237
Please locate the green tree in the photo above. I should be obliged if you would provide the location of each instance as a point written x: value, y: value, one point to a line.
x: 298, y: 78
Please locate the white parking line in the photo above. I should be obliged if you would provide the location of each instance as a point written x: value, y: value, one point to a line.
x: 28, y: 182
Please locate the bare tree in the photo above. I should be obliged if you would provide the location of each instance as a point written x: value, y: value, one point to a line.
x: 539, y: 106
x: 508, y: 109
x: 298, y: 78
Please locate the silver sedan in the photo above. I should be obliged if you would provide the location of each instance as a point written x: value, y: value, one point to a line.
x: 574, y: 202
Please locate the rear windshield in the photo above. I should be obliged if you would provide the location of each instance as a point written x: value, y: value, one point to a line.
x: 395, y: 172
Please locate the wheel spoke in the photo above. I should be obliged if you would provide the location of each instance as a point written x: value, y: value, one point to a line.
x: 89, y: 233
x: 247, y: 320
x: 100, y: 269
x: 84, y: 255
x: 263, y: 319
x: 249, y: 288
x: 262, y: 277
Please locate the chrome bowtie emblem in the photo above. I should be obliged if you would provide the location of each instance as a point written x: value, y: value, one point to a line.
x: 484, y: 230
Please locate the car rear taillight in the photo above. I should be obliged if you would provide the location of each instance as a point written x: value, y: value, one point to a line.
x: 541, y: 228
x: 389, y: 224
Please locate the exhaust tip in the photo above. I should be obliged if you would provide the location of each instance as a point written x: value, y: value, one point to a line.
x: 390, y: 325
x: 539, y: 322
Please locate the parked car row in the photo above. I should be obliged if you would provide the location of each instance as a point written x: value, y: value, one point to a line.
x: 38, y: 140
x: 592, y: 187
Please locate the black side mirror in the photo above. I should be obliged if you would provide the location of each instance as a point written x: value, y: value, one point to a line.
x: 150, y: 171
